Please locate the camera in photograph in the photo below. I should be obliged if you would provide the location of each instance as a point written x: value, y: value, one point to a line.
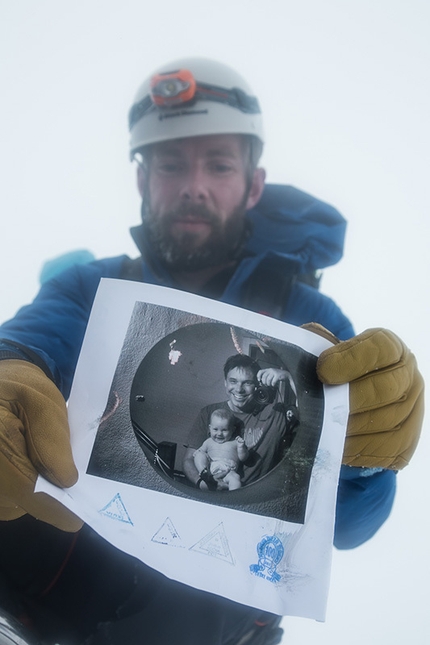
x: 265, y: 394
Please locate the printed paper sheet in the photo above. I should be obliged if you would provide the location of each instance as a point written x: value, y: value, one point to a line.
x: 151, y: 362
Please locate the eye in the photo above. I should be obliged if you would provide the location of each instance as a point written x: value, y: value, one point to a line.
x: 221, y: 167
x: 169, y: 167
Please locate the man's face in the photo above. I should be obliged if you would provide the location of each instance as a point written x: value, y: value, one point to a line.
x: 196, y: 197
x: 240, y: 386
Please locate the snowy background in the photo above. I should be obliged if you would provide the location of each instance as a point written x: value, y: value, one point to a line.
x: 344, y: 87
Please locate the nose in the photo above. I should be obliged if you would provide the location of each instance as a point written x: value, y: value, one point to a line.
x: 194, y: 188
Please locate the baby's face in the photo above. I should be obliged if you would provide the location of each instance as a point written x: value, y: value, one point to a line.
x: 219, y: 430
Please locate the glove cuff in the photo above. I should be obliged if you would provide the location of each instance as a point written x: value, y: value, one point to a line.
x: 12, y: 350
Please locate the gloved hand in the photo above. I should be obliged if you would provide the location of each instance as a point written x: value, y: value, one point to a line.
x: 34, y: 439
x: 386, y: 396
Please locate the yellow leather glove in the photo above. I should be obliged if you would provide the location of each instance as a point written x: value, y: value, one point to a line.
x: 386, y: 396
x: 34, y: 439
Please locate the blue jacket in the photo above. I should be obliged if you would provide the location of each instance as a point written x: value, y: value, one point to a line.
x: 291, y: 232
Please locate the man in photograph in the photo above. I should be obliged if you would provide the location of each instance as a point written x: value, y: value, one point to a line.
x: 260, y: 413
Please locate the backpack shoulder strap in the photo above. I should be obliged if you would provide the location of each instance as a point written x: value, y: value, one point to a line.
x: 268, y: 288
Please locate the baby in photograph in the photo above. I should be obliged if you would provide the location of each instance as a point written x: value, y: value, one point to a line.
x: 222, y: 453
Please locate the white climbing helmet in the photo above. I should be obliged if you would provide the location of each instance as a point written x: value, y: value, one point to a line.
x: 192, y: 97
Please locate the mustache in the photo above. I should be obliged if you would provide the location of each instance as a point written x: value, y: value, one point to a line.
x: 191, y: 212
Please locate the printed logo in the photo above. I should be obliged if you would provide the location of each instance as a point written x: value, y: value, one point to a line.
x: 270, y: 552
x: 215, y: 544
x: 116, y: 510
x: 167, y: 534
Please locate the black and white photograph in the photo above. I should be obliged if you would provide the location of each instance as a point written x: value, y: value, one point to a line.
x: 213, y: 412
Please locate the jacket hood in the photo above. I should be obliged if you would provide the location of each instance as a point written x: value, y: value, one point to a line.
x: 291, y: 222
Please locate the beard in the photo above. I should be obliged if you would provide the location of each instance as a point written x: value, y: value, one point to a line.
x: 185, y: 251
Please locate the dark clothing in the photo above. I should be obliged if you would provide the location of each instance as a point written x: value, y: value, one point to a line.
x: 104, y: 595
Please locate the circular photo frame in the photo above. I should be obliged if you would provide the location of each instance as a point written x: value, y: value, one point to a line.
x: 182, y: 382
x: 170, y: 379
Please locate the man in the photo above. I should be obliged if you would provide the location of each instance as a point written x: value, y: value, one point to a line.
x: 196, y: 133
x: 263, y: 426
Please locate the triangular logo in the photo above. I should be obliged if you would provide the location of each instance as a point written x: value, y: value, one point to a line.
x: 167, y: 534
x: 116, y: 510
x: 215, y: 544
